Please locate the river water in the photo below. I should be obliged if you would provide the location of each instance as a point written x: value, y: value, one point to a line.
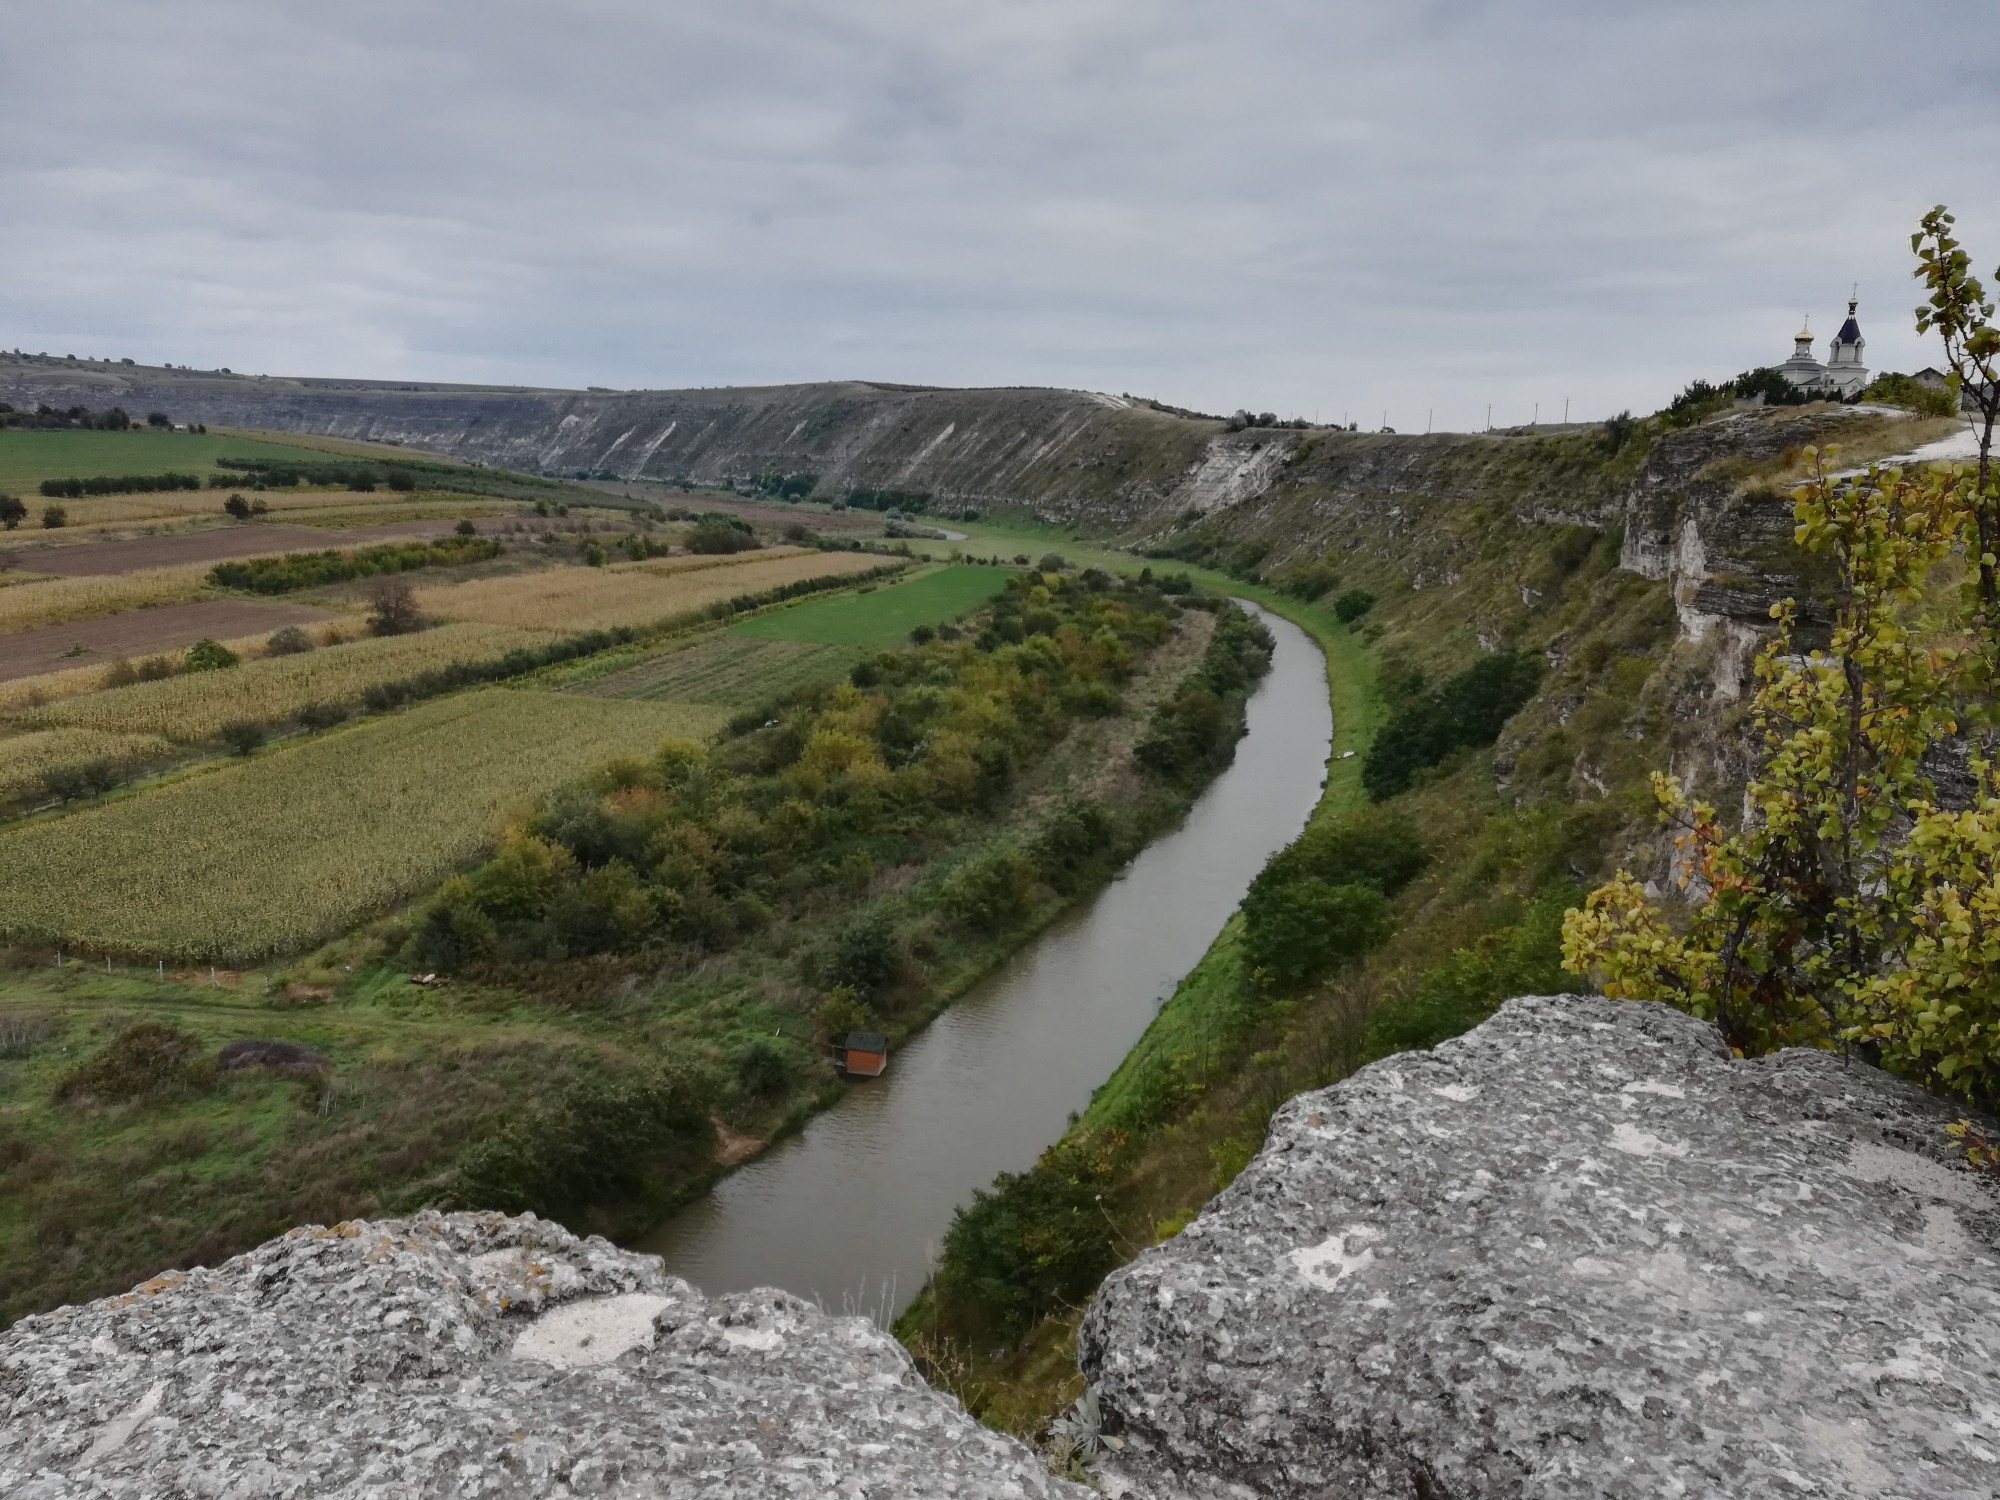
x: 852, y: 1209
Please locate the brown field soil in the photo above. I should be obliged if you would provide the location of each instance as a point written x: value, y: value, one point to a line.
x: 140, y: 632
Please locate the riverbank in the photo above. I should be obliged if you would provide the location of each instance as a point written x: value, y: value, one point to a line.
x: 850, y: 1211
x: 556, y: 1057
x: 1510, y: 835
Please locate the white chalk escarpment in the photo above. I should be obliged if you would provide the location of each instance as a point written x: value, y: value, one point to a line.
x: 1580, y: 1251
x: 475, y: 1355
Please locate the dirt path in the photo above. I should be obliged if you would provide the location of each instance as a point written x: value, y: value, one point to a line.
x: 139, y: 632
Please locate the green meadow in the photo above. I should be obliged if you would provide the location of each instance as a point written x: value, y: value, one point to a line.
x: 27, y: 458
x: 883, y: 617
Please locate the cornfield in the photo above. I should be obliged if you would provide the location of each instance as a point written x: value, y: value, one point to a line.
x: 59, y: 601
x: 639, y: 594
x: 196, y: 706
x: 24, y: 757
x: 276, y: 853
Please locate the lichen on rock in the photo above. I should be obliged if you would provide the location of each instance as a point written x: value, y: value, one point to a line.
x: 1579, y: 1251
x: 474, y: 1355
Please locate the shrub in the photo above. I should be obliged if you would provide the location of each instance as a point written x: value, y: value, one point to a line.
x: 1911, y: 394
x: 1464, y: 711
x: 238, y: 507
x: 1352, y: 605
x: 1304, y: 929
x: 990, y: 890
x: 864, y: 955
x: 717, y: 535
x: 763, y: 1069
x: 318, y: 716
x: 594, y: 555
x: 146, y: 1061
x: 208, y: 656
x: 54, y: 517
x: 242, y: 736
x: 12, y: 512
x: 300, y: 570
x: 1036, y: 1240
x: 463, y: 528
x: 400, y: 480
x: 289, y: 640
x: 1052, y: 562
x: 87, y: 778
x: 599, y: 1142
x: 392, y: 607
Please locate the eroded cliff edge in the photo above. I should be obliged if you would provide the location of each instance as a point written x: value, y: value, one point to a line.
x: 1579, y: 1251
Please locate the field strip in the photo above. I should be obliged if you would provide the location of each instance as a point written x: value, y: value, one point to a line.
x: 883, y: 617
x: 196, y: 705
x: 636, y: 594
x: 60, y: 601
x: 729, y: 670
x: 275, y: 853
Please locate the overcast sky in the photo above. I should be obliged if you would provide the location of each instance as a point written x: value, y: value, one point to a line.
x: 1323, y: 207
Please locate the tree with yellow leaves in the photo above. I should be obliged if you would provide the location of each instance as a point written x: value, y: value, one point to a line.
x: 1850, y: 907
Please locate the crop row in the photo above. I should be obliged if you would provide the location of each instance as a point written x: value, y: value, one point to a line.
x: 196, y: 705
x: 273, y: 854
x: 631, y: 594
x: 733, y: 671
x: 60, y: 601
x: 25, y: 758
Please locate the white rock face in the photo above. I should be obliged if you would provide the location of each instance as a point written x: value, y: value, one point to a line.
x: 475, y: 1355
x: 1578, y: 1252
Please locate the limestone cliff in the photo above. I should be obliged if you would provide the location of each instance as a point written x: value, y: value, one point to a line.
x: 1579, y: 1251
x: 475, y: 1355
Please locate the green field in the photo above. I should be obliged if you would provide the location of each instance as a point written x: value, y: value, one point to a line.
x: 27, y: 458
x: 273, y: 854
x: 729, y: 670
x: 884, y: 617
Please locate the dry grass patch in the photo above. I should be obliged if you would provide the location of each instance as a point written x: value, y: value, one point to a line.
x: 633, y: 594
x: 197, y: 705
x: 58, y: 601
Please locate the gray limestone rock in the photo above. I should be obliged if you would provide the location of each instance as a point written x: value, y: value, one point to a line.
x: 474, y: 1355
x: 1579, y: 1251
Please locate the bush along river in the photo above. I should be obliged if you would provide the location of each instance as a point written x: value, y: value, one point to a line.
x: 851, y: 1210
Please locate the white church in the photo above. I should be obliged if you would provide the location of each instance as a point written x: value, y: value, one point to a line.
x: 1843, y: 374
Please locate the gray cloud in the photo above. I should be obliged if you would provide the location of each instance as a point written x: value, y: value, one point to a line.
x: 1329, y: 207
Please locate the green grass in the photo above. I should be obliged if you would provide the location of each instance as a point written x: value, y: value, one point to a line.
x: 728, y: 670
x: 27, y: 458
x: 882, y: 618
x: 272, y: 854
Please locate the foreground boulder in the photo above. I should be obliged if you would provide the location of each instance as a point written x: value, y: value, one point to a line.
x: 1580, y: 1251
x: 474, y: 1355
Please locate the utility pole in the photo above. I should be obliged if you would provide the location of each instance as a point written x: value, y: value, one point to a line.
x: 1537, y: 421
x: 1565, y: 411
x: 1489, y: 416
x: 1428, y: 415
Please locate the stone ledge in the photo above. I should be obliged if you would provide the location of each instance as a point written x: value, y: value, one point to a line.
x: 1579, y: 1251
x: 475, y: 1354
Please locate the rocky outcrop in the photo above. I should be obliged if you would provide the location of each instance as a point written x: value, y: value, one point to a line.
x: 474, y: 1355
x: 1580, y: 1251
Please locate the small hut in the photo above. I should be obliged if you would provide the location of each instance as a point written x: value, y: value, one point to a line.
x: 864, y: 1054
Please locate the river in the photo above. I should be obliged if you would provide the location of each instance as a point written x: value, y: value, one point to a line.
x: 852, y: 1209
